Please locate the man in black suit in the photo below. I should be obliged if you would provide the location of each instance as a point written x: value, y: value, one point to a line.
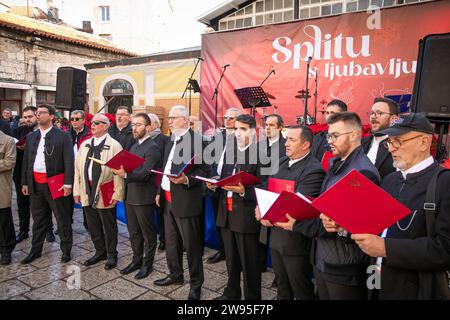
x: 121, y: 130
x: 320, y: 143
x: 140, y: 193
x: 5, y: 127
x: 48, y: 153
x: 290, y: 251
x: 219, y: 143
x: 384, y: 112
x: 413, y: 253
x: 183, y: 204
x: 162, y: 141
x: 274, y: 143
x: 236, y: 218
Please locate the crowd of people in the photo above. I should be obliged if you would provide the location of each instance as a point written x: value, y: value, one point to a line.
x: 311, y: 259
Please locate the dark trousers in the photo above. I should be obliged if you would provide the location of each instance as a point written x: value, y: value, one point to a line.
x: 42, y: 205
x: 142, y: 231
x: 7, y: 233
x: 242, y: 254
x: 293, y: 274
x: 185, y: 232
x: 336, y: 291
x: 160, y: 215
x: 215, y: 204
x: 102, y: 226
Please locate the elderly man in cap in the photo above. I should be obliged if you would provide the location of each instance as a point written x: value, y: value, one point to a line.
x: 413, y: 253
x: 90, y: 176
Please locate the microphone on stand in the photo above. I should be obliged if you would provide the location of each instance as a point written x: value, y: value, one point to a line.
x: 226, y: 66
x: 201, y: 59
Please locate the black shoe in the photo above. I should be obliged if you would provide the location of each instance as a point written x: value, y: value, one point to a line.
x: 22, y: 235
x: 222, y: 297
x: 162, y: 246
x: 217, y: 257
x: 95, y: 259
x: 274, y: 283
x: 111, y: 263
x: 144, y: 272
x: 50, y: 236
x: 167, y: 281
x: 66, y: 258
x: 6, y: 259
x: 131, y: 268
x: 194, y: 294
x: 30, y: 258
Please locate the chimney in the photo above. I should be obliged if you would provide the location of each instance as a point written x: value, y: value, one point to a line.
x: 87, y: 27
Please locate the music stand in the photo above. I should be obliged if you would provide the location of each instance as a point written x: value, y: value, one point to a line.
x: 194, y: 86
x: 252, y: 97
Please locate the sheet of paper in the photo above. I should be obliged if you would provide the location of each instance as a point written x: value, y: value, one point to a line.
x: 265, y: 200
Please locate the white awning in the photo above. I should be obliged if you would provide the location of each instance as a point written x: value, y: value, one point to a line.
x: 11, y: 85
x: 45, y: 88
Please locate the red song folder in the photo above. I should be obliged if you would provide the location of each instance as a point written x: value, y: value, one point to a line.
x: 54, y: 184
x: 124, y: 158
x: 22, y: 141
x: 327, y: 156
x: 280, y: 185
x: 274, y: 206
x: 246, y: 179
x: 185, y: 168
x: 107, y: 191
x: 360, y: 206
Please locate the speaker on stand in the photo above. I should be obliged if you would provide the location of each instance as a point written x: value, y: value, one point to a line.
x: 70, y: 89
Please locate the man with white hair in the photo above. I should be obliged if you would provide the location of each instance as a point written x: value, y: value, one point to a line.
x: 90, y: 177
x: 161, y: 140
x: 183, y: 204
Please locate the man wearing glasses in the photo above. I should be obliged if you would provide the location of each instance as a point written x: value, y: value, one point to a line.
x: 89, y: 179
x: 414, y: 252
x: 48, y: 152
x: 384, y: 112
x: 79, y: 131
x: 220, y: 141
x: 339, y: 264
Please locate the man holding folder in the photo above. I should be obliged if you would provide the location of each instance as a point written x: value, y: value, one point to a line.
x: 289, y: 250
x: 98, y: 190
x: 140, y: 193
x: 48, y: 153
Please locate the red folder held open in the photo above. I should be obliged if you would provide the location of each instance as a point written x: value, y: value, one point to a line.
x: 360, y: 206
x: 124, y: 158
x: 54, y: 184
x: 274, y: 206
x: 186, y: 167
x: 280, y: 185
x: 107, y: 191
x: 241, y: 177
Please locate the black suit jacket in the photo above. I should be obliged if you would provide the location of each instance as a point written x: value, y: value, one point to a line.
x: 320, y: 145
x: 140, y: 185
x: 59, y: 156
x: 186, y: 199
x: 242, y: 218
x: 383, y: 162
x: 308, y: 175
x: 5, y: 127
x: 19, y: 133
x: 161, y: 141
x: 124, y: 136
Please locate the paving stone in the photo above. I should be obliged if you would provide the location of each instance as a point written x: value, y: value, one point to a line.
x: 12, y: 288
x: 183, y: 292
x: 214, y: 280
x: 150, y: 295
x: 58, y: 290
x: 118, y: 289
x: 15, y: 270
x: 47, y: 275
x: 97, y: 276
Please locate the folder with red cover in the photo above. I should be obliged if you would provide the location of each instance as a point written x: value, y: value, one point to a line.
x: 22, y: 141
x: 241, y: 177
x: 274, y: 206
x: 280, y: 185
x: 54, y: 184
x: 107, y: 191
x: 327, y: 156
x: 124, y: 158
x: 360, y: 206
x: 179, y: 173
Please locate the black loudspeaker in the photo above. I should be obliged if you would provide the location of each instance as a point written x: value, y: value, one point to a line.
x: 432, y: 83
x: 70, y: 89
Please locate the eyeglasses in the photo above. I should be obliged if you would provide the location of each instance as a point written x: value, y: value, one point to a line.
x: 173, y: 118
x: 397, y: 143
x: 229, y: 118
x: 378, y: 114
x: 75, y: 119
x: 335, y: 135
x: 98, y: 122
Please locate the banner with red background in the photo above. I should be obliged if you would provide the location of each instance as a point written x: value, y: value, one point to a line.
x: 358, y: 56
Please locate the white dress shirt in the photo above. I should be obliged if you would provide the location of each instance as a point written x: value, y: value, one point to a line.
x: 292, y: 162
x: 165, y: 182
x: 373, y: 151
x: 39, y: 162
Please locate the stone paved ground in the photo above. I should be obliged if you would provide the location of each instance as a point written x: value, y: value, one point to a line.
x: 46, y: 278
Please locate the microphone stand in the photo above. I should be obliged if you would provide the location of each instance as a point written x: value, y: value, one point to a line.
x: 305, y: 114
x: 189, y: 86
x: 315, y: 97
x: 270, y: 73
x: 216, y: 95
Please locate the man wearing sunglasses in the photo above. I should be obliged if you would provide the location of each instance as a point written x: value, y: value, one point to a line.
x: 79, y: 131
x: 413, y: 253
x: 384, y: 112
x: 90, y: 180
